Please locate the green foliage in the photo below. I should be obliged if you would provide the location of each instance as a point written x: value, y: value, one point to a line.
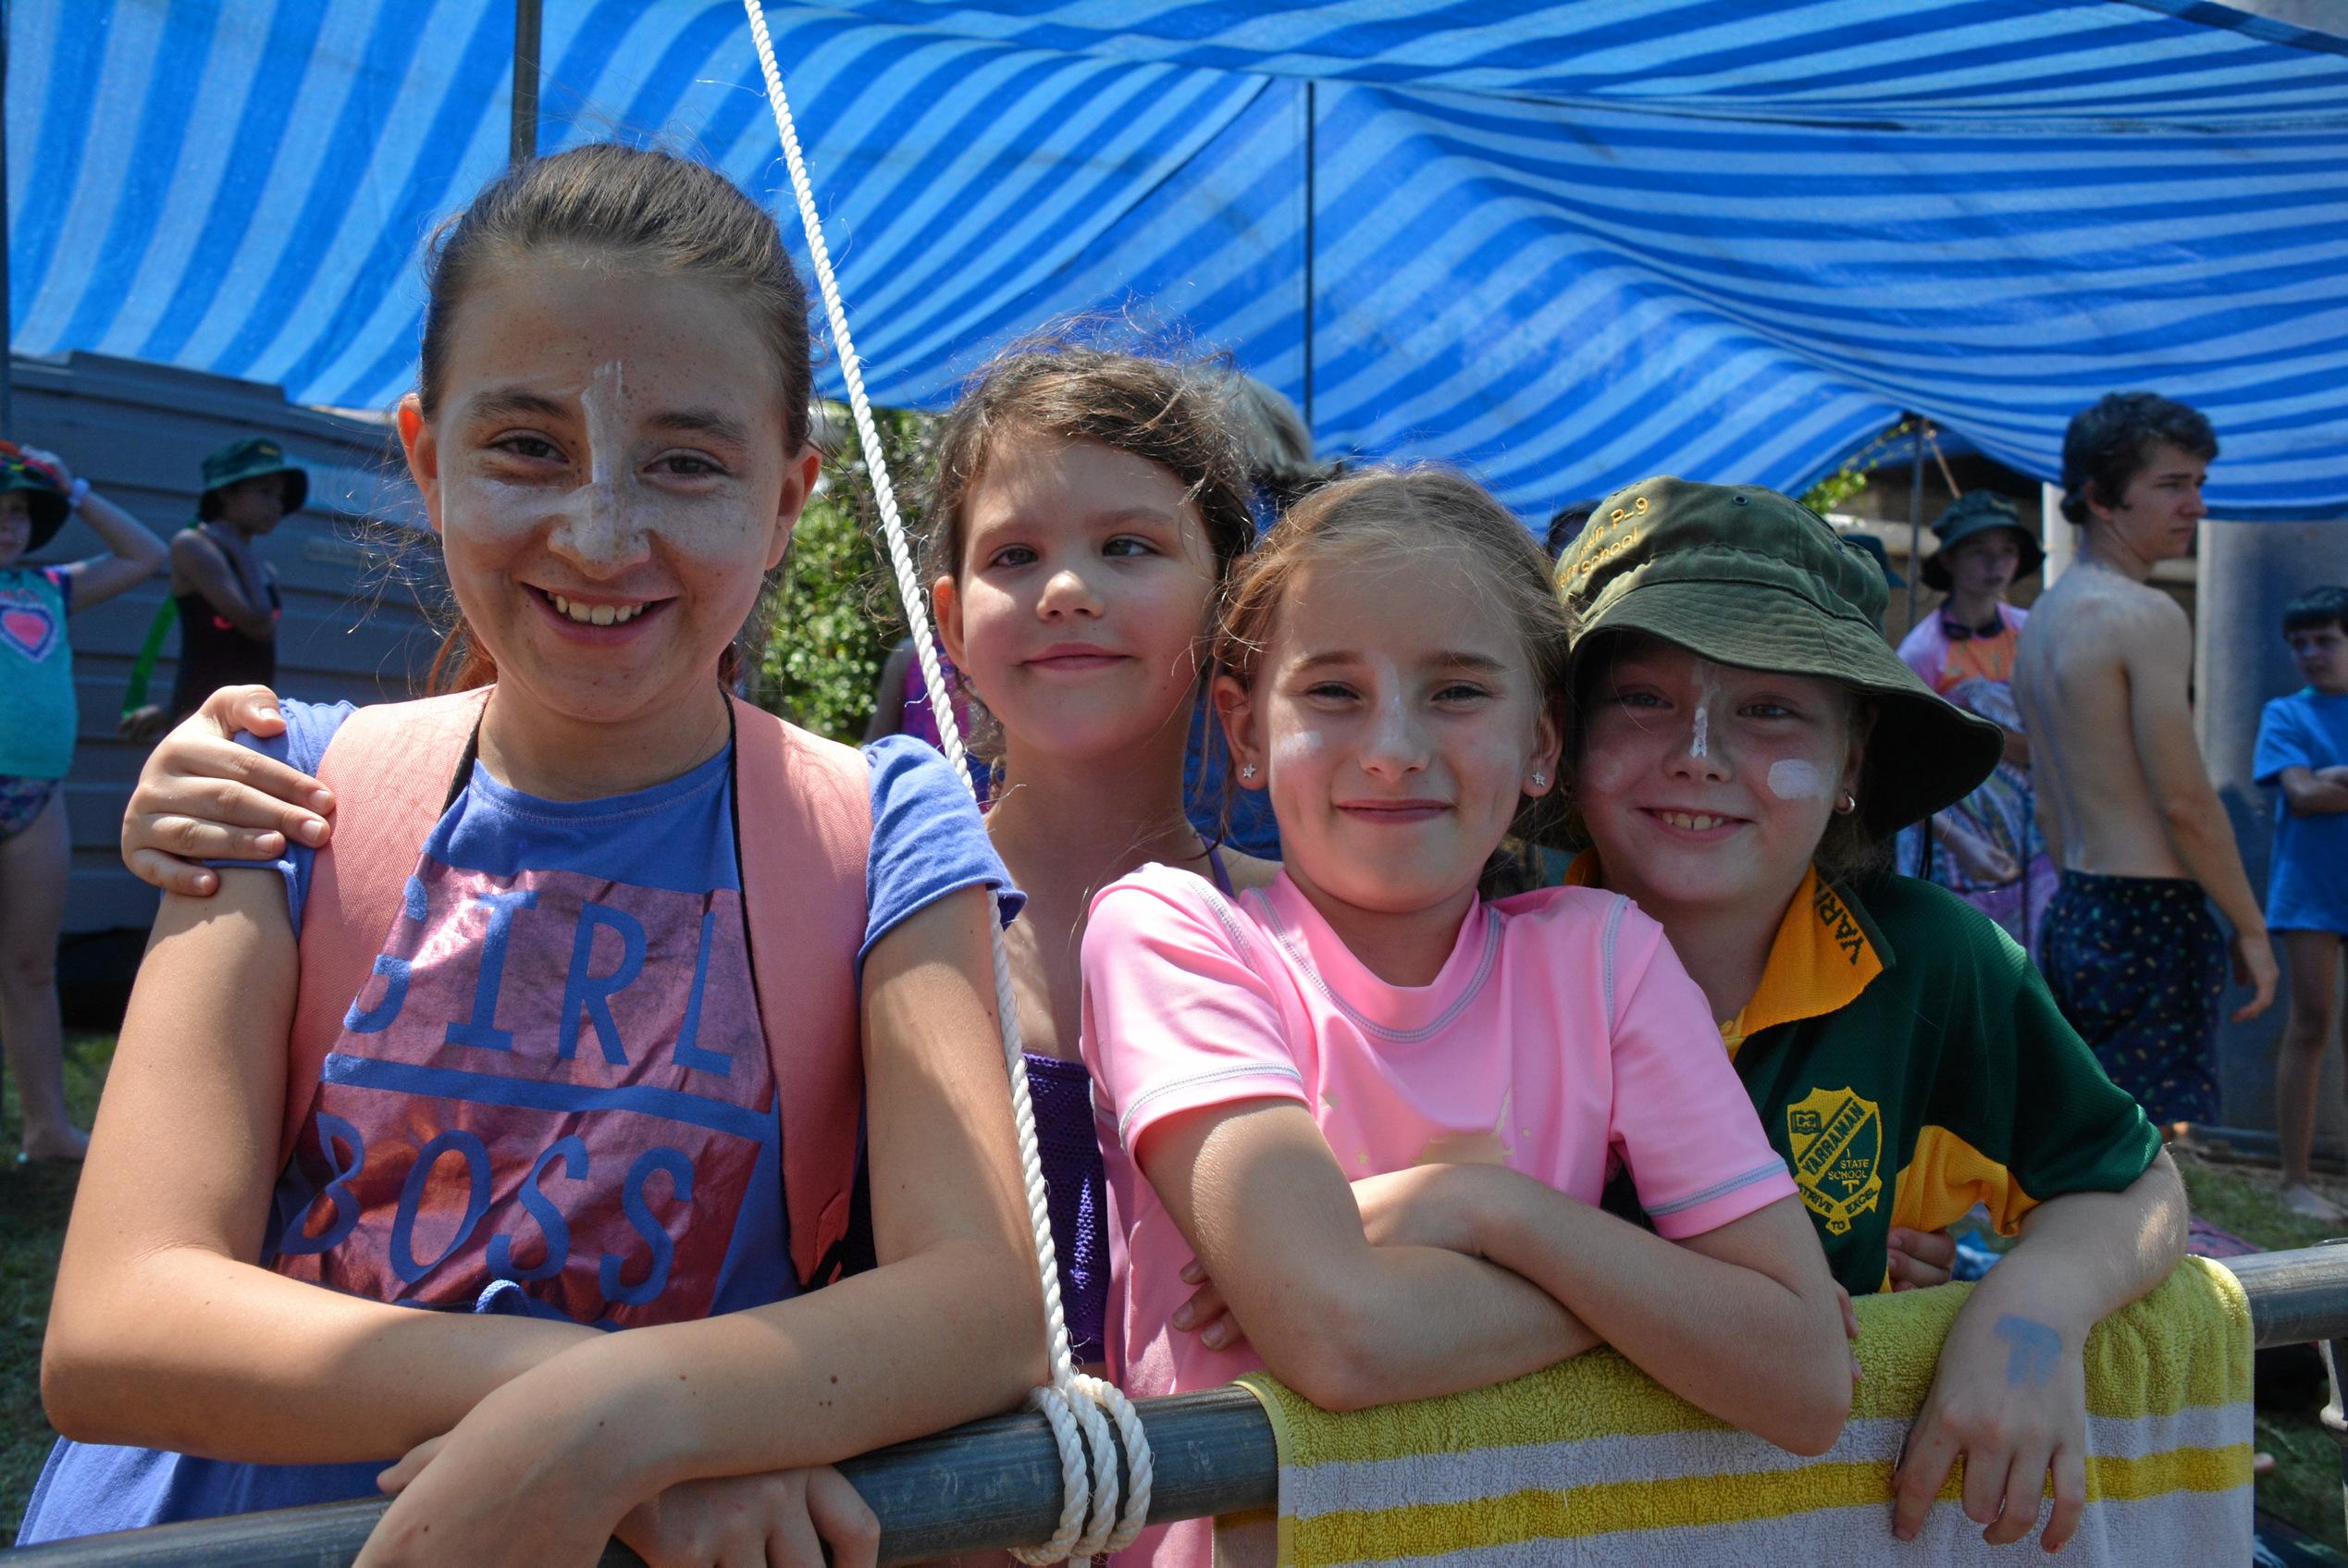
x: 1829, y: 493
x: 837, y: 615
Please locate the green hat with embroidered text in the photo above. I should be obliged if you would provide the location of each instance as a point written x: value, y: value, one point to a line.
x: 1744, y: 577
x: 251, y: 458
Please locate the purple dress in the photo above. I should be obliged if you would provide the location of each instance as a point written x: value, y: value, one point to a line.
x: 1076, y: 1183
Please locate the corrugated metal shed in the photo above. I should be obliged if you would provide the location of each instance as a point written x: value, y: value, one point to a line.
x: 352, y: 626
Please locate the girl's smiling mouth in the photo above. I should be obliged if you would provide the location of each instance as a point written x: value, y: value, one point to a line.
x: 1700, y: 825
x: 608, y: 617
x: 1074, y: 657
x: 1393, y: 813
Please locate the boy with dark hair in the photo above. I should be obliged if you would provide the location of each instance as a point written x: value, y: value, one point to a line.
x: 2302, y: 749
x: 2101, y: 675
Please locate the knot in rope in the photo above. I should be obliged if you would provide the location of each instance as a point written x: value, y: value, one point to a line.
x: 1103, y: 1510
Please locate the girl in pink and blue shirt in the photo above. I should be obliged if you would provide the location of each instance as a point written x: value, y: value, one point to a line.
x: 482, y: 1142
x: 1357, y: 1122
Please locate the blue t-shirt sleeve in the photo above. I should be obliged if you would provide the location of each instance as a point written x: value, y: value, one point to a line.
x: 928, y: 839
x: 61, y: 580
x: 308, y: 727
x: 2282, y: 742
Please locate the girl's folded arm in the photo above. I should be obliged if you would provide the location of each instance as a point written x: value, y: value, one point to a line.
x: 1663, y: 1303
x: 1255, y: 1190
x: 164, y: 1332
x: 949, y: 1328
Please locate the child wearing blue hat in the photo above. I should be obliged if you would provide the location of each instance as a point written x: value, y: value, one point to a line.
x: 37, y: 725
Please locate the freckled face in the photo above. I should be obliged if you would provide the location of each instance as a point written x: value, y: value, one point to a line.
x: 611, y: 472
x: 1397, y: 724
x: 1079, y: 610
x: 16, y: 525
x: 1736, y: 818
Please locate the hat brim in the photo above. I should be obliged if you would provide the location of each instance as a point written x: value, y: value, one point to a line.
x: 1935, y: 571
x: 297, y: 487
x: 46, y: 510
x: 1924, y: 753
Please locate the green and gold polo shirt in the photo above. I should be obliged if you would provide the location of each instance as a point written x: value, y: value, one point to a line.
x: 1907, y: 1062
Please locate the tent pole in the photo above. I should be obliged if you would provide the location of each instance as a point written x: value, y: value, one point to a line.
x: 1311, y: 115
x: 522, y: 142
x: 1915, y: 515
x: 7, y: 312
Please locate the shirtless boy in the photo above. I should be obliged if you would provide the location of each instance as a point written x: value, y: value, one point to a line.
x: 2130, y: 950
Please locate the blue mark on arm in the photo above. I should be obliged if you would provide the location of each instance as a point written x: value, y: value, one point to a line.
x: 2032, y: 1351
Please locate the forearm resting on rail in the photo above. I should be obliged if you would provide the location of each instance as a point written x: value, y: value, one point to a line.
x: 1262, y: 1202
x: 1662, y: 1303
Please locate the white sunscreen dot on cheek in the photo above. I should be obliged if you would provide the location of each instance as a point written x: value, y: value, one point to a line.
x: 1297, y: 746
x: 1791, y: 778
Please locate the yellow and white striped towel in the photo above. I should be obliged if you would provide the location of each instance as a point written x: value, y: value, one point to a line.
x: 1590, y: 1463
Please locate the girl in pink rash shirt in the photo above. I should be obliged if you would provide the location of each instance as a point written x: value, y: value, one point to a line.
x: 1378, y: 1111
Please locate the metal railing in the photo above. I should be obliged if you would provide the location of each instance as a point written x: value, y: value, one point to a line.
x: 996, y: 1483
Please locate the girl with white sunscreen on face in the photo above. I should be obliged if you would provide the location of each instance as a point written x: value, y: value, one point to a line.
x: 1904, y: 1055
x: 1088, y: 503
x: 573, y: 1027
x: 1378, y: 1110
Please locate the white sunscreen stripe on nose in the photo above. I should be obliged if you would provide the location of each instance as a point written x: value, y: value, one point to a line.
x: 1698, y: 744
x: 1793, y: 779
x: 600, y: 398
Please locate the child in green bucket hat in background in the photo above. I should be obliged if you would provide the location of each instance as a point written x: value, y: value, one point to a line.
x: 1987, y: 847
x: 1745, y: 744
x: 223, y: 595
x: 38, y: 721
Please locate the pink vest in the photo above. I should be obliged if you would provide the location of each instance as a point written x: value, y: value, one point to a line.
x: 805, y: 814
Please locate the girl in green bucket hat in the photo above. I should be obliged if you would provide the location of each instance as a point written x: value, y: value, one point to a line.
x: 224, y: 597
x: 1744, y: 744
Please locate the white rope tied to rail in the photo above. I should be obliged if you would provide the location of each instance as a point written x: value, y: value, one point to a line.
x: 1079, y: 1409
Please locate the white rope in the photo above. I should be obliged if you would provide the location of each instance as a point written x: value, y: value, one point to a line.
x: 1072, y: 1404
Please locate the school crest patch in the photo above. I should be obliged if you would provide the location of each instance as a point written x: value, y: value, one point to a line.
x: 1837, y: 1140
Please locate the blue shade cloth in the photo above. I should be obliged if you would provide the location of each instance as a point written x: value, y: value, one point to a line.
x: 2307, y: 883
x: 1569, y: 244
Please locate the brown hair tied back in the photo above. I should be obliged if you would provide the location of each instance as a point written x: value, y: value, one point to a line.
x: 1417, y: 515
x: 1072, y: 386
x: 637, y: 210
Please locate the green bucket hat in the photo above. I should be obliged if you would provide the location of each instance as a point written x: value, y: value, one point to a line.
x: 252, y: 458
x: 1977, y: 511
x: 1741, y: 575
x: 44, y: 498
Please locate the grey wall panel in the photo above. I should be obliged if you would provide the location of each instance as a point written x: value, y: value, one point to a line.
x: 352, y: 626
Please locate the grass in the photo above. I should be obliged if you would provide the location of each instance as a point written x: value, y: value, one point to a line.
x: 2304, y: 1488
x: 35, y: 1199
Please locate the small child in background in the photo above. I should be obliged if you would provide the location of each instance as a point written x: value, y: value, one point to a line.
x: 224, y: 597
x: 2302, y: 749
x: 38, y: 720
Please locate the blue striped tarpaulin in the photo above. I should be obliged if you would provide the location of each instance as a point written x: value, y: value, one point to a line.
x: 1568, y: 244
